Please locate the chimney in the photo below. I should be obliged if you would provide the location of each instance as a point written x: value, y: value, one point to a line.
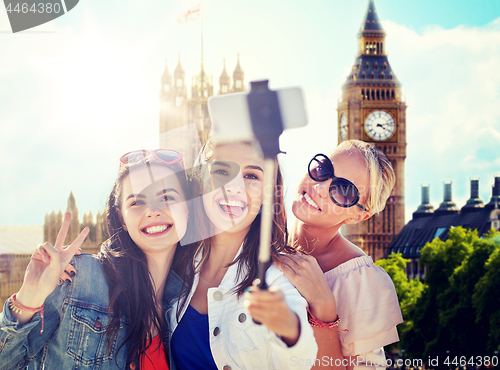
x: 447, y: 206
x: 425, y: 208
x: 474, y: 203
x: 495, y: 194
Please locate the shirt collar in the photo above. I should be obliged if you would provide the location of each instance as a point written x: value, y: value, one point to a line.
x: 229, y: 280
x: 172, y: 290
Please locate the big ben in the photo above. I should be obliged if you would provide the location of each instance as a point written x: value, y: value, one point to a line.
x: 372, y: 110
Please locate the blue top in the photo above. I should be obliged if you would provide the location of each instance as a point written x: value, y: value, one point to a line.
x: 190, y: 343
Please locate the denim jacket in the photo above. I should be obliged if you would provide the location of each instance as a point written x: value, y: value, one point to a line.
x: 75, y: 324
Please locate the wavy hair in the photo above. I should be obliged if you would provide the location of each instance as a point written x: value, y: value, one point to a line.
x: 248, y: 259
x: 132, y: 298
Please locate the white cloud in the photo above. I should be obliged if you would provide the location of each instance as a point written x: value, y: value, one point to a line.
x: 452, y: 86
x: 72, y: 103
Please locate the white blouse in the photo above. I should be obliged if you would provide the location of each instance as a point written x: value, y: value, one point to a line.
x: 368, y: 307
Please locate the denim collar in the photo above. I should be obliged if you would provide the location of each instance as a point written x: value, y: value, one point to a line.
x: 173, y: 287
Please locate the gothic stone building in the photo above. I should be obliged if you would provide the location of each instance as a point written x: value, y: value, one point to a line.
x: 372, y: 109
x: 178, y: 110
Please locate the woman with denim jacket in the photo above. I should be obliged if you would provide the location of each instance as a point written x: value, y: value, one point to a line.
x: 113, y: 313
x: 212, y: 325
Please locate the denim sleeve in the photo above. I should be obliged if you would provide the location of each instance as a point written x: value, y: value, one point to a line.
x: 20, y: 344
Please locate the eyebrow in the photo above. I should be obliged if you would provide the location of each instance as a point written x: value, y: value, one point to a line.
x: 135, y: 196
x: 166, y: 191
x: 255, y: 168
x: 157, y: 194
x: 222, y: 164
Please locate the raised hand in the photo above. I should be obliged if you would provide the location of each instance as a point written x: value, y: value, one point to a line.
x: 269, y: 308
x: 69, y: 271
x: 46, y: 266
x: 306, y: 275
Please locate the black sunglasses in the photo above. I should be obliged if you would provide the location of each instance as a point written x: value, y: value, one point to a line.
x: 342, y: 192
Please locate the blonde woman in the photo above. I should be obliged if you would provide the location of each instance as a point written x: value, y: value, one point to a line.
x: 339, y: 281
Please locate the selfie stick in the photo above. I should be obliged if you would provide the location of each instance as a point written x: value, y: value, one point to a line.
x: 267, y: 126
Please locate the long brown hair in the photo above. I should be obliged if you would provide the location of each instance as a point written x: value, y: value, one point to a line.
x: 132, y: 297
x: 248, y: 259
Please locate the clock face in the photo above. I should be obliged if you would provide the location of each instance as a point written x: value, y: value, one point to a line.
x: 379, y: 125
x: 343, y: 126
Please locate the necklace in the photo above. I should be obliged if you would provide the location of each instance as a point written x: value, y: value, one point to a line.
x: 206, y: 282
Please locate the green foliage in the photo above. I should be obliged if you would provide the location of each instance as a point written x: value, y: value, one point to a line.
x: 458, y: 309
x: 486, y: 299
x: 407, y: 290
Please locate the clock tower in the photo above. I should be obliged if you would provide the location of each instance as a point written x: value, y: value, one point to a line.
x: 372, y: 110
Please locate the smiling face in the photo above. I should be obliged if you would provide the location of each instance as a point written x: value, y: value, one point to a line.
x: 312, y: 203
x: 155, y: 214
x: 233, y: 207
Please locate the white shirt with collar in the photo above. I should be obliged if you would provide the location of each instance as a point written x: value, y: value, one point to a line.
x: 237, y: 342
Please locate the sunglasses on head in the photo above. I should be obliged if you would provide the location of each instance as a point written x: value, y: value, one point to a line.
x: 342, y: 192
x: 166, y: 156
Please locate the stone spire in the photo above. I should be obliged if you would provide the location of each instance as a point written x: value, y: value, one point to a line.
x: 372, y: 66
x: 224, y: 81
x: 371, y: 23
x: 203, y: 87
x: 75, y: 223
x: 179, y: 74
x: 166, y: 77
x: 238, y: 77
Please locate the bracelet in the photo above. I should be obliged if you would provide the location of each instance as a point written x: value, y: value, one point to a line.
x: 17, y: 307
x: 320, y: 324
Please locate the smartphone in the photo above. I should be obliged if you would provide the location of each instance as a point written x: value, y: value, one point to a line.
x: 231, y: 117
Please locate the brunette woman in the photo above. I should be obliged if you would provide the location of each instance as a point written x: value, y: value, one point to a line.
x: 112, y: 315
x: 213, y: 326
x: 343, y: 287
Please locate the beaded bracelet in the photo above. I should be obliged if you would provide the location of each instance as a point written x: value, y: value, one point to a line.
x: 320, y: 324
x: 17, y: 307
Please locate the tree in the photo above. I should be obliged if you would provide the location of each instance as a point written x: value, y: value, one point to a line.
x: 486, y: 298
x: 458, y: 309
x: 407, y: 290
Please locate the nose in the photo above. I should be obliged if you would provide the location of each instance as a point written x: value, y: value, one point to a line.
x: 153, y: 210
x: 236, y: 185
x: 322, y: 188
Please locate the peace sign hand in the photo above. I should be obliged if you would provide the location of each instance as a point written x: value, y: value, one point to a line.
x: 46, y: 266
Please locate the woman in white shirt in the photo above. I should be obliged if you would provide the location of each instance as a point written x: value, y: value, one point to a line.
x: 211, y: 325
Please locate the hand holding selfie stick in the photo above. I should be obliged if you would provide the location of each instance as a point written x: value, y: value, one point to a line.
x: 261, y: 114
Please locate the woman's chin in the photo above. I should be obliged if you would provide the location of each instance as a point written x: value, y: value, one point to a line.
x: 303, y: 212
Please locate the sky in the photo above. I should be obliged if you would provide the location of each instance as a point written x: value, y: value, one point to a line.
x: 78, y: 92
